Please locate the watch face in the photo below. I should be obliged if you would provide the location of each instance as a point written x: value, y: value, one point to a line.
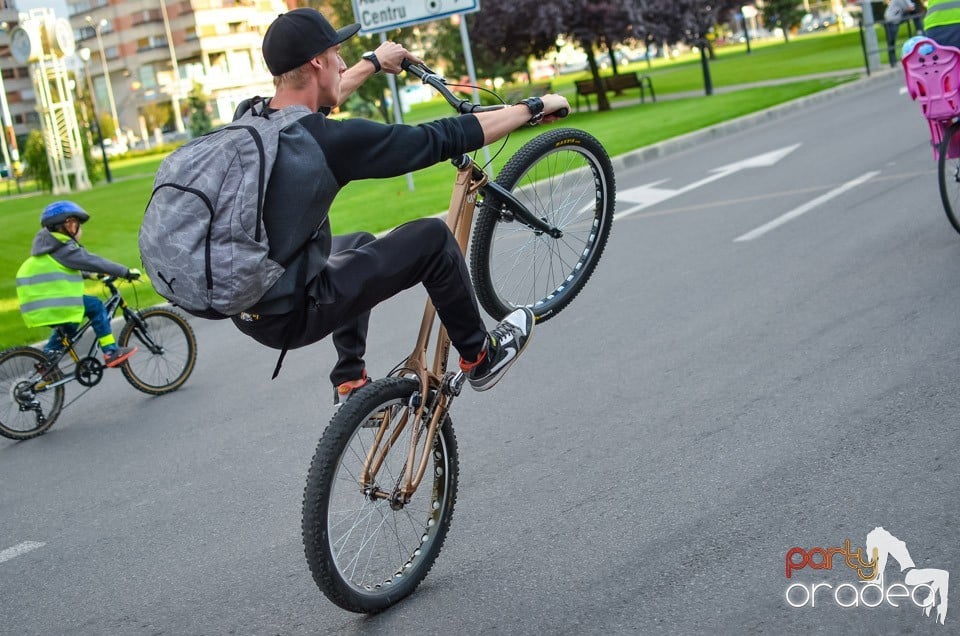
x: 21, y: 45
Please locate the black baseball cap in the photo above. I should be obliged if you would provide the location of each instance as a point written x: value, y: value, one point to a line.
x: 297, y: 36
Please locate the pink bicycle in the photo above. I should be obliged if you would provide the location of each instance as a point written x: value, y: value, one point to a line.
x: 933, y: 80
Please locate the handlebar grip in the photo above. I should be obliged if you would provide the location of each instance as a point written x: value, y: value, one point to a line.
x: 563, y: 112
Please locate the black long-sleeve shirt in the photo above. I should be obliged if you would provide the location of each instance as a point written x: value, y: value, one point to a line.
x: 317, y: 157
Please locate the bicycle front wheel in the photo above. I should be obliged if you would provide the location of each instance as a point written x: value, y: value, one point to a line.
x: 949, y: 172
x: 366, y: 551
x: 565, y: 177
x: 27, y: 408
x: 167, y: 351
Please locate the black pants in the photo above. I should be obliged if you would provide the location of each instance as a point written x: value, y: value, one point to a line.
x: 361, y: 273
x: 946, y: 34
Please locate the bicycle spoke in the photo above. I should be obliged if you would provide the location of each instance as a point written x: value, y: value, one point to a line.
x: 27, y: 408
x: 375, y: 542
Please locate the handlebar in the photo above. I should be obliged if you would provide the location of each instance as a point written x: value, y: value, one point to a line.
x: 109, y: 280
x: 462, y: 106
x: 439, y: 84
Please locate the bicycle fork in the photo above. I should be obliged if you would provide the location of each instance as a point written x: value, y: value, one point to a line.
x: 424, y: 416
x: 427, y: 408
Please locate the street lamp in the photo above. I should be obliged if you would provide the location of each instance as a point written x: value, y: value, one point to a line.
x: 84, y: 55
x: 106, y: 72
x: 177, y: 117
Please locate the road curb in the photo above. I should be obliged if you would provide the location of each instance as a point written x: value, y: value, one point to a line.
x: 667, y: 147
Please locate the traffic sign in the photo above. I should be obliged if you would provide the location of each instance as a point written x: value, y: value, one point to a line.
x: 376, y: 16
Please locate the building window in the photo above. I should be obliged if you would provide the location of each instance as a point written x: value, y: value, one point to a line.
x: 148, y: 77
x: 151, y: 42
x: 145, y: 17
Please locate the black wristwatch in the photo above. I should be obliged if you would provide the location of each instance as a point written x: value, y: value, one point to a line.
x: 371, y: 57
x: 535, y: 106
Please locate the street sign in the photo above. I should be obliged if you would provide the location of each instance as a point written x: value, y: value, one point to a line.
x: 376, y: 16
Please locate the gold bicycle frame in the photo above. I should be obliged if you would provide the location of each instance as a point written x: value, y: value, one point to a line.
x: 470, y: 178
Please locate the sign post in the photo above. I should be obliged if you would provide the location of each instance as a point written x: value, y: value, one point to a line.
x: 376, y: 16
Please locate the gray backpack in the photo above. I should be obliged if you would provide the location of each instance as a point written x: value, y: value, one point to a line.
x: 202, y: 240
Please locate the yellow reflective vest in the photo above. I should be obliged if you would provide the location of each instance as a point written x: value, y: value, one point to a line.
x: 941, y: 12
x: 49, y: 293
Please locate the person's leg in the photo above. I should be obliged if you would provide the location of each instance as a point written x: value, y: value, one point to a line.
x: 350, y: 338
x: 946, y: 35
x: 94, y: 310
x: 892, y: 28
x: 113, y: 355
x: 55, y: 343
x: 356, y: 280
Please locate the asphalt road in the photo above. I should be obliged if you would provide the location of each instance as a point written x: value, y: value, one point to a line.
x: 706, y: 405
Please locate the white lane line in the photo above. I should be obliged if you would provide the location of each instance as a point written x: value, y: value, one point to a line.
x: 806, y: 207
x: 20, y: 548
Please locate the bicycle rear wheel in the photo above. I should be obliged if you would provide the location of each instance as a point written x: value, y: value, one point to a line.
x: 565, y: 177
x: 949, y: 174
x: 25, y: 410
x: 167, y: 351
x: 365, y: 552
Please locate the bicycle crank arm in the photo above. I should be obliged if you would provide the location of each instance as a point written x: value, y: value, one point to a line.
x: 453, y: 384
x: 512, y: 206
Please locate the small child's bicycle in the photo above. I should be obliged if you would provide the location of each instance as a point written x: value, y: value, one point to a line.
x: 933, y: 79
x: 383, y: 482
x: 32, y: 386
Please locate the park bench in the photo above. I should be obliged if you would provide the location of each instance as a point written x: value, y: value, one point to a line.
x: 616, y: 83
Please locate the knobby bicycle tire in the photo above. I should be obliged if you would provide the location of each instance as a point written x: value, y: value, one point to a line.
x: 365, y: 555
x: 20, y: 370
x: 949, y: 173
x: 155, y: 372
x: 565, y: 177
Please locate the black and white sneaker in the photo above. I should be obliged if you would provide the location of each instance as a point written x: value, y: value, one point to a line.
x: 505, y: 343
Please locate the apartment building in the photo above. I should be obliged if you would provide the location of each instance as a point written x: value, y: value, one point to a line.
x: 147, y: 55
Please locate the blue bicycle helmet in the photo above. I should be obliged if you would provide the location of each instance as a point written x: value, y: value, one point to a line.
x: 59, y: 211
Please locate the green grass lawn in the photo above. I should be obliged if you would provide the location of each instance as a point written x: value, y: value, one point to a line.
x: 376, y: 205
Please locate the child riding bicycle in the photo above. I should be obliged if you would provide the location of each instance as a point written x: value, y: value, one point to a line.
x: 50, y: 283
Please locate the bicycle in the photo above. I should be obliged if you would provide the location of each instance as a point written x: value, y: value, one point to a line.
x: 932, y: 74
x: 32, y: 386
x: 371, y: 527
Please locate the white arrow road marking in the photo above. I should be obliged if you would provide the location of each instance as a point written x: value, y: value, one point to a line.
x: 649, y: 194
x: 20, y: 548
x: 806, y: 207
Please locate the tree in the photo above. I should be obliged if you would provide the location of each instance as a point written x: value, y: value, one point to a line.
x: 521, y: 28
x: 157, y: 115
x: 689, y: 21
x: 35, y: 156
x: 105, y: 121
x: 198, y: 111
x: 785, y: 14
x: 374, y: 90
